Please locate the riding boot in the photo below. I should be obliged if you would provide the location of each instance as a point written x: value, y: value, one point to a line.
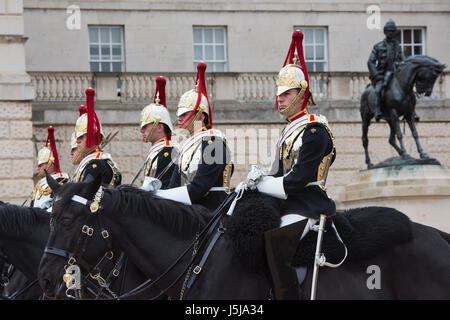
x: 377, y: 110
x: 280, y: 247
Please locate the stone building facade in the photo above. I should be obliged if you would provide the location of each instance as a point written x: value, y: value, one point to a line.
x: 64, y: 56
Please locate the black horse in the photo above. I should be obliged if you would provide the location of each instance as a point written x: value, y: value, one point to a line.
x: 23, y: 233
x: 155, y: 233
x: 399, y: 100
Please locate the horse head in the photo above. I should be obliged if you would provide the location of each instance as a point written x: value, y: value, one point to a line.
x: 425, y: 72
x: 71, y: 230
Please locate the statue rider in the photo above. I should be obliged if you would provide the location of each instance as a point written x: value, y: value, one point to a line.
x: 386, y: 55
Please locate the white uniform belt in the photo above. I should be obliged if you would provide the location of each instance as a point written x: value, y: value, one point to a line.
x: 218, y: 189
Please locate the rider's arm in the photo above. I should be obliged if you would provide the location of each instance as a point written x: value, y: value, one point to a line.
x: 210, y: 170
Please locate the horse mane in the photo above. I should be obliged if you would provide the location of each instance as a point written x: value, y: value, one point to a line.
x: 177, y: 217
x: 18, y: 221
x: 425, y: 61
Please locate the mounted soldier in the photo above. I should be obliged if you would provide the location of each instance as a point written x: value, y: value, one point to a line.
x: 91, y: 160
x: 156, y: 128
x: 305, y: 151
x: 383, y: 60
x: 204, y: 168
x: 47, y: 159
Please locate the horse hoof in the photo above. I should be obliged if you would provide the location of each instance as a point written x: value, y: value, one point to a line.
x: 424, y: 156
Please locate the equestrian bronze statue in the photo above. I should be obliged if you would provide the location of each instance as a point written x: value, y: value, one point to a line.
x: 398, y: 99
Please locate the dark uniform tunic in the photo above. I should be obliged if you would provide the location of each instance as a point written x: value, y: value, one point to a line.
x: 160, y: 162
x: 204, y: 163
x: 305, y: 152
x: 98, y: 163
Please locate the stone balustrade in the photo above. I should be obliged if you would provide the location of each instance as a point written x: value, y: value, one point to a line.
x: 255, y: 86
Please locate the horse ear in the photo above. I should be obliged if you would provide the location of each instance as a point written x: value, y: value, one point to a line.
x: 94, y: 183
x: 53, y: 184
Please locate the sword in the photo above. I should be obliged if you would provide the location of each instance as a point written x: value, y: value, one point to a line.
x: 317, y: 261
x: 109, y: 139
x: 137, y: 174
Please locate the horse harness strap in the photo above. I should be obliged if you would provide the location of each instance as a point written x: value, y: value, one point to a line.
x: 81, y: 245
x: 198, y: 268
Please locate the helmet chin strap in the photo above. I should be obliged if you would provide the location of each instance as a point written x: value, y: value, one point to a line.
x: 298, y: 97
x: 190, y: 126
x: 152, y: 131
x: 83, y: 153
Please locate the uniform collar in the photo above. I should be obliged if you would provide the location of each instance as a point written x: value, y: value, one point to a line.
x: 159, y: 140
x: 199, y: 130
x: 298, y: 115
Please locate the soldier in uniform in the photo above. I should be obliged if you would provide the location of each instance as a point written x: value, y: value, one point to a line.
x: 91, y: 160
x: 47, y: 159
x: 383, y: 60
x: 305, y: 151
x: 204, y: 168
x: 156, y: 128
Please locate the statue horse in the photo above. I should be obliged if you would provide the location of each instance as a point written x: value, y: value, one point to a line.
x: 399, y: 100
x: 157, y: 233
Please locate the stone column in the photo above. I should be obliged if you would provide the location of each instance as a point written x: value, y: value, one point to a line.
x: 16, y: 95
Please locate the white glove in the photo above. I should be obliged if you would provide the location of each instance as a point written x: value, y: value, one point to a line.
x: 254, y: 176
x: 151, y: 184
x: 272, y: 187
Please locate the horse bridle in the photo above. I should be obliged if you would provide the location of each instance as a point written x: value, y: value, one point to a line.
x: 76, y: 256
x: 95, y: 206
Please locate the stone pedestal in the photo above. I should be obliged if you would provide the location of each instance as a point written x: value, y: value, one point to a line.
x: 420, y: 191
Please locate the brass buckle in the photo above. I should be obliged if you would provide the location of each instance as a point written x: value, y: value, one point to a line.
x: 71, y: 261
x: 197, y: 270
x: 105, y: 234
x: 87, y: 230
x: 111, y: 255
x: 115, y: 273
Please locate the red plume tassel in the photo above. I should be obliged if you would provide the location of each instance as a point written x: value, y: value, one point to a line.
x: 54, y: 152
x: 201, y: 81
x: 93, y: 124
x: 297, y: 44
x: 161, y: 89
x: 82, y: 110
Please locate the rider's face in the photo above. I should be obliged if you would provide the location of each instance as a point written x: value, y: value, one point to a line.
x: 390, y: 34
x: 285, y: 99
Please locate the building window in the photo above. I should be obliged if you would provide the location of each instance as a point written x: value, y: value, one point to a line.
x: 412, y: 41
x: 315, y: 48
x: 210, y: 47
x: 106, y: 48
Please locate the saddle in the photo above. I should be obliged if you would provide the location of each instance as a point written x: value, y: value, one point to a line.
x: 366, y: 232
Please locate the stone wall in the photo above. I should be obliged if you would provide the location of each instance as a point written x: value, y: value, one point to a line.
x: 16, y: 93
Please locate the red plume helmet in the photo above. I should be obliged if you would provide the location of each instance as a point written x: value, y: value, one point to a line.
x: 93, y: 135
x: 201, y: 90
x: 52, y: 146
x: 297, y: 47
x: 160, y: 91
